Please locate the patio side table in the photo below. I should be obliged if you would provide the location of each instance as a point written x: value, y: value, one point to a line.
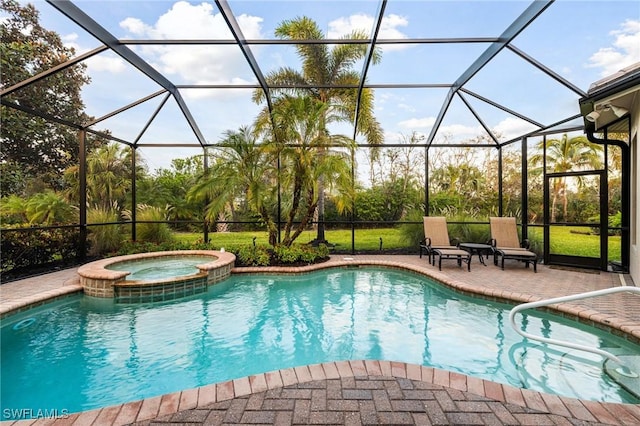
x: 477, y: 248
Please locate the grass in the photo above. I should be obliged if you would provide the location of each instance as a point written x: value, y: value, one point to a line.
x: 366, y: 239
x: 572, y: 240
x: 563, y: 241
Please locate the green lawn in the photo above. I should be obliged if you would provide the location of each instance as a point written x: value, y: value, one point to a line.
x: 571, y: 240
x: 563, y: 241
x: 366, y: 239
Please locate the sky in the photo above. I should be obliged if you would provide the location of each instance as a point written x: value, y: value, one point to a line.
x: 582, y: 41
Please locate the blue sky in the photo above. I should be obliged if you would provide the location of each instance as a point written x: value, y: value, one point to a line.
x: 582, y: 41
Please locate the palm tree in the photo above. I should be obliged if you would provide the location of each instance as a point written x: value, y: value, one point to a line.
x: 296, y: 129
x: 13, y: 209
x: 108, y: 176
x: 323, y: 68
x: 564, y: 155
x: 241, y: 169
x: 50, y: 208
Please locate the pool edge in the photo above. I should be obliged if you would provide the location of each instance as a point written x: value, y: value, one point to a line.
x: 178, y: 401
x: 201, y: 398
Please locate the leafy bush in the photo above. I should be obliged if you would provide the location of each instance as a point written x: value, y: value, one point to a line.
x: 151, y: 232
x: 468, y: 232
x: 413, y: 233
x: 536, y: 243
x: 262, y: 255
x: 252, y: 256
x: 13, y: 210
x: 614, y: 221
x: 49, y: 208
x: 297, y: 254
x: 29, y: 249
x: 103, y: 238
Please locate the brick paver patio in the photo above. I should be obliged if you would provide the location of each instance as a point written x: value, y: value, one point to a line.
x: 379, y: 392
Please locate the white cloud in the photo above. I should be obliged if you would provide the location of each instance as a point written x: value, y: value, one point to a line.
x: 105, y: 61
x: 461, y: 130
x: 388, y: 29
x: 135, y: 26
x: 406, y: 107
x: 195, y: 64
x: 508, y: 128
x: 417, y: 123
x: 624, y: 52
x: 512, y: 127
x: 111, y: 64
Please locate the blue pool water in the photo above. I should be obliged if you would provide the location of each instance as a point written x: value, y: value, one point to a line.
x: 83, y: 353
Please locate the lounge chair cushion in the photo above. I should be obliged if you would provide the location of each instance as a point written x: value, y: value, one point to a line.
x: 453, y: 253
x: 516, y: 253
x: 505, y: 232
x: 506, y: 242
x: 435, y: 231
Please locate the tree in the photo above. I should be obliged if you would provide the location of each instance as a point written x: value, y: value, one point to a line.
x: 240, y: 170
x: 297, y: 133
x: 457, y: 182
x: 323, y: 68
x: 49, y: 208
x: 170, y: 187
x: 108, y: 176
x: 32, y: 145
x: 399, y: 184
x: 564, y: 155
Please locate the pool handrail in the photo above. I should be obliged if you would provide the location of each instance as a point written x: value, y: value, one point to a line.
x: 569, y: 298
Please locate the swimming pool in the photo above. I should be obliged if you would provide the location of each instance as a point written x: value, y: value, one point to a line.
x: 84, y: 353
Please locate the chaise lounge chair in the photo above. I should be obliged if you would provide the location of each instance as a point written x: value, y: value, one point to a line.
x: 506, y: 242
x: 436, y: 243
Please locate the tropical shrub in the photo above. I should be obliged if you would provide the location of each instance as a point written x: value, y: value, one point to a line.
x: 149, y: 227
x: 467, y: 232
x: 50, y: 208
x: 252, y: 256
x: 103, y: 238
x: 33, y: 248
x: 614, y: 221
x: 412, y: 233
x: 297, y: 254
x: 13, y: 210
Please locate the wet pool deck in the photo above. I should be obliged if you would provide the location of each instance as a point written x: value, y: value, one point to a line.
x: 378, y: 392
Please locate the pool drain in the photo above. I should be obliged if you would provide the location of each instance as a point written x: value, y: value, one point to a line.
x: 24, y: 323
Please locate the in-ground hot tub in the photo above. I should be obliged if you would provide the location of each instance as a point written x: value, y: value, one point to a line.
x: 157, y: 276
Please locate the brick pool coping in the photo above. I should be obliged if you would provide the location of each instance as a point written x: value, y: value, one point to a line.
x: 150, y: 408
x: 203, y: 397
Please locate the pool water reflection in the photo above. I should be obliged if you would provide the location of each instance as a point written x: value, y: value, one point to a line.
x: 86, y: 353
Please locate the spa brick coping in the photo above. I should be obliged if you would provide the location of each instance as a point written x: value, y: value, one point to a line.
x: 98, y: 281
x: 366, y: 391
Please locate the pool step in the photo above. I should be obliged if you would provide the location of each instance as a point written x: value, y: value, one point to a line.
x: 630, y: 380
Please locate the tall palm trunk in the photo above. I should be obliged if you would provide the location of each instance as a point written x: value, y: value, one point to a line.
x: 320, y: 238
